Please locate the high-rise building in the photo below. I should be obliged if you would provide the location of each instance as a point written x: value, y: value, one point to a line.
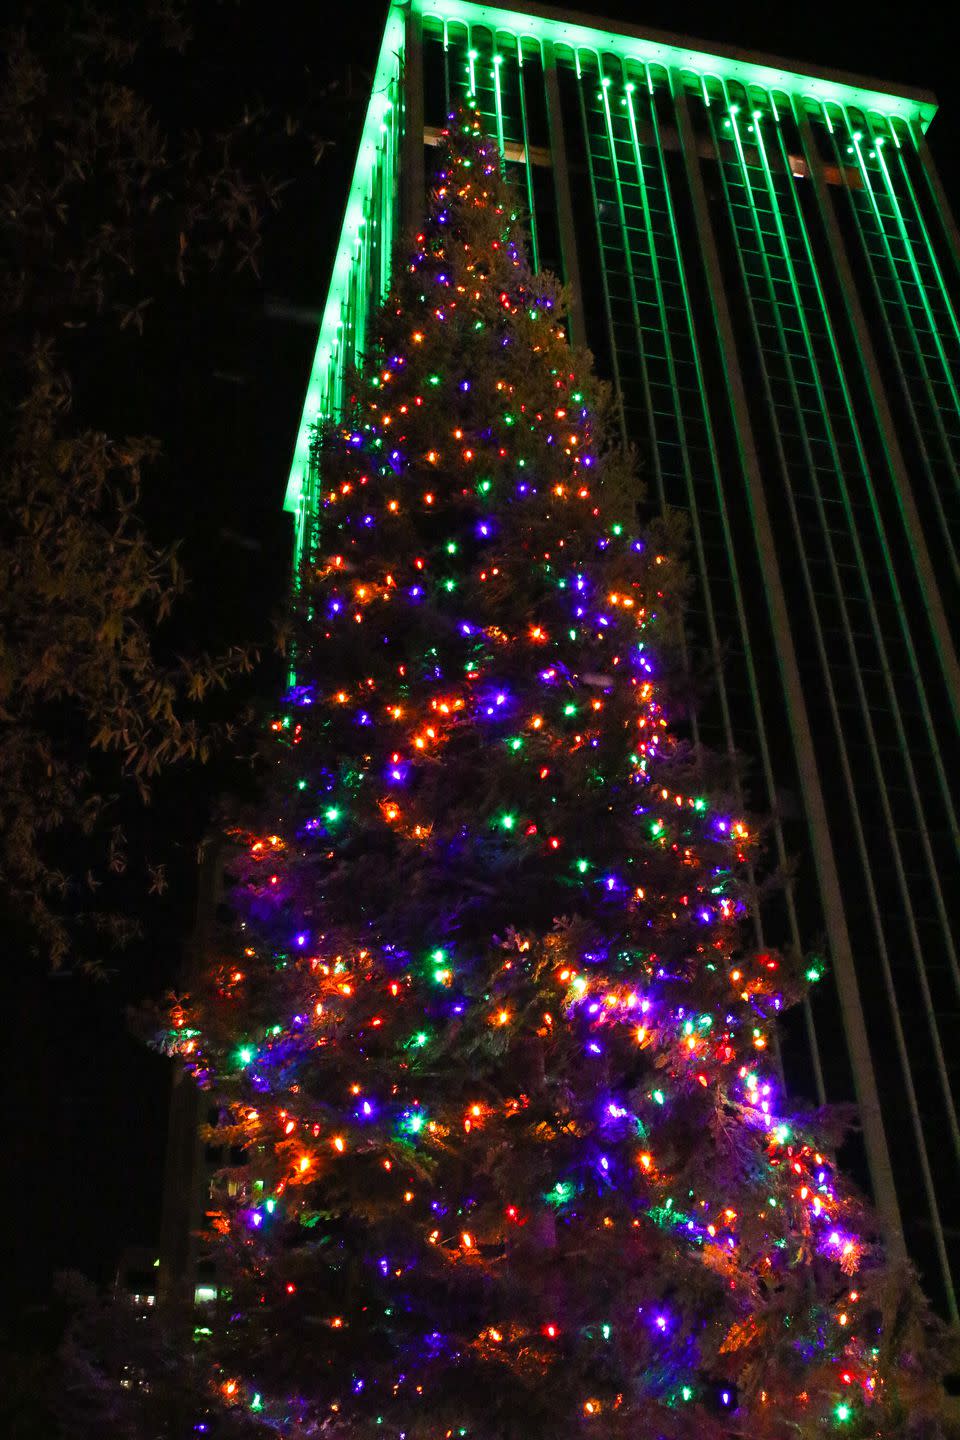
x: 762, y: 260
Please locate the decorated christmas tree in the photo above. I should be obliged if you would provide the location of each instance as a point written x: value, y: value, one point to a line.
x: 517, y: 1163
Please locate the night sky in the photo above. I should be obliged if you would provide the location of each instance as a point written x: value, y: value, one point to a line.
x: 220, y: 380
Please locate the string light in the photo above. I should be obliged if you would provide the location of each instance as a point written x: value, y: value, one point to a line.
x: 415, y: 1032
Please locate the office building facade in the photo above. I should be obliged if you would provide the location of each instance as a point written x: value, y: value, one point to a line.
x: 762, y: 260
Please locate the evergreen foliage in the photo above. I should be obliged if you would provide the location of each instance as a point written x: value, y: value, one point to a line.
x: 517, y: 1160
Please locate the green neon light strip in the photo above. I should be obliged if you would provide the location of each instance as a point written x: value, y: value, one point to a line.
x: 378, y: 141
x: 510, y: 114
x: 798, y: 309
x: 930, y: 249
x: 771, y: 295
x: 901, y: 609
x: 624, y: 251
x: 674, y: 52
x: 498, y: 98
x: 900, y: 281
x: 803, y: 231
x: 809, y: 588
x: 905, y: 240
x: 666, y: 329
x: 531, y: 204
x: 876, y: 628
x: 668, y: 332
x: 605, y: 281
x: 737, y: 586
x: 910, y: 397
x: 934, y: 189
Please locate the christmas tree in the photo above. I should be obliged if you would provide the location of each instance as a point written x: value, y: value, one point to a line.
x: 517, y: 1160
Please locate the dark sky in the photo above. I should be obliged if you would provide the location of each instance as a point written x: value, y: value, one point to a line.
x: 221, y: 380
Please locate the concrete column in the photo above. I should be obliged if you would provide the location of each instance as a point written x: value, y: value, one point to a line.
x: 561, y: 185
